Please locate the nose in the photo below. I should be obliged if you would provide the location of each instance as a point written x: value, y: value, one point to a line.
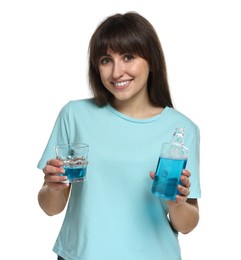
x: 118, y: 69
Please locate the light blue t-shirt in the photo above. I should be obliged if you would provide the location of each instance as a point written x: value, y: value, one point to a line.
x: 113, y: 215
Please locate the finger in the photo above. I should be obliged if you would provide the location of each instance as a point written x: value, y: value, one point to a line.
x: 181, y: 199
x: 49, y: 169
x: 152, y: 175
x: 58, y: 185
x: 185, y: 181
x: 55, y: 162
x: 53, y: 178
x: 183, y: 190
x: 185, y: 172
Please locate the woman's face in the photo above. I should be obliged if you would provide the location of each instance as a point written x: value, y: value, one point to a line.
x: 124, y: 75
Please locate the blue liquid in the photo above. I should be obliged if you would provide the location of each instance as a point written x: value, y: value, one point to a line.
x: 74, y: 174
x: 167, y: 177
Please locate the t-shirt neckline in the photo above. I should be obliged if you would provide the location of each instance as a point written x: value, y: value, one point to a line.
x: 137, y: 120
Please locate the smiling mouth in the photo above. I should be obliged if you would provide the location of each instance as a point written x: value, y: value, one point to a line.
x: 121, y: 85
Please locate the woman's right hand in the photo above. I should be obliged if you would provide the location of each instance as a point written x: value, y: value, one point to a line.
x: 53, y: 195
x: 52, y: 171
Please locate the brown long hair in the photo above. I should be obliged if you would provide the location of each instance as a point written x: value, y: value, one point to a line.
x: 129, y: 33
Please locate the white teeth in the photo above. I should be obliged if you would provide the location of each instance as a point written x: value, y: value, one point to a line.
x: 121, y: 84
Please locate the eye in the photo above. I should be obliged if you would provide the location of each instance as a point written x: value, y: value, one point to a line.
x: 128, y: 57
x: 105, y: 60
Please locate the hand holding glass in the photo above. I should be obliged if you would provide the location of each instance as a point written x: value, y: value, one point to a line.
x: 75, y: 159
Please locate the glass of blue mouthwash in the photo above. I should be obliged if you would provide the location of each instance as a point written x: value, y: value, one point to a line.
x: 172, y: 161
x: 75, y: 159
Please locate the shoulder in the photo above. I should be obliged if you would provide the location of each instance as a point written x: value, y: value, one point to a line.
x: 182, y: 120
x: 82, y: 103
x: 79, y: 105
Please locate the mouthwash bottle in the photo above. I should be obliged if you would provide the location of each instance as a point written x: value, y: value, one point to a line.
x: 172, y: 161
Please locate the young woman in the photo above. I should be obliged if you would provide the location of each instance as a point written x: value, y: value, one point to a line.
x: 113, y: 215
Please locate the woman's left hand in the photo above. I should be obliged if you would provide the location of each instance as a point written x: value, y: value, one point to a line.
x: 184, y: 189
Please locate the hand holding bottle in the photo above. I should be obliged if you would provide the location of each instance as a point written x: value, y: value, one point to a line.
x: 183, y: 187
x: 172, y: 161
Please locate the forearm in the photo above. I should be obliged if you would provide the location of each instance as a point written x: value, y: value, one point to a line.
x: 53, y: 201
x: 184, y: 217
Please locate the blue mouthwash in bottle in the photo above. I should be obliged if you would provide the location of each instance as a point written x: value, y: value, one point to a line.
x: 172, y: 161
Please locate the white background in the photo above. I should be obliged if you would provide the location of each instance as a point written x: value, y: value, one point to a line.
x: 43, y: 64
